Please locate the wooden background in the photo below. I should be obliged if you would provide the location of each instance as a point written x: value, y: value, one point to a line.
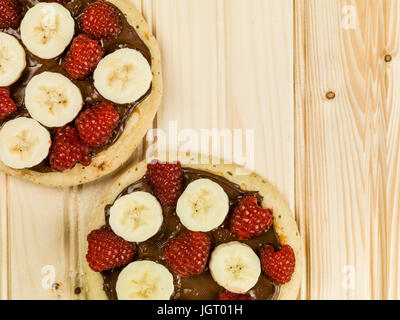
x: 322, y: 92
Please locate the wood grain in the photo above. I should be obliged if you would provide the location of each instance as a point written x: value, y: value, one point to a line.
x: 341, y: 166
x: 38, y: 237
x: 260, y: 94
x: 236, y: 82
x: 300, y: 186
x: 392, y: 117
x: 4, y: 285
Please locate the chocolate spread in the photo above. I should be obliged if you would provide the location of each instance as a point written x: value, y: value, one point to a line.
x: 200, y: 287
x: 128, y: 38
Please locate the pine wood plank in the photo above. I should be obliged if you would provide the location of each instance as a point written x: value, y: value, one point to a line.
x: 342, y: 165
x: 392, y: 116
x: 4, y: 288
x: 186, y: 31
x: 224, y: 76
x: 39, y: 232
x: 259, y: 84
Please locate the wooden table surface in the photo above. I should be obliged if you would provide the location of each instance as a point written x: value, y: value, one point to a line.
x: 319, y: 83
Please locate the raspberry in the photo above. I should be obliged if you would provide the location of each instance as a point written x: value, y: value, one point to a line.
x: 249, y: 219
x: 227, y: 295
x: 83, y: 57
x: 188, y: 253
x: 67, y: 150
x: 7, y: 105
x: 96, y: 124
x: 278, y: 266
x: 4, y: 90
x: 101, y: 20
x: 107, y: 251
x: 10, y: 14
x: 166, y: 180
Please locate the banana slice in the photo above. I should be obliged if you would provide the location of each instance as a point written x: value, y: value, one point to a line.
x: 235, y: 266
x: 52, y: 99
x: 24, y: 143
x: 136, y: 217
x: 47, y: 29
x: 123, y: 76
x: 203, y: 206
x: 145, y: 280
x: 12, y: 59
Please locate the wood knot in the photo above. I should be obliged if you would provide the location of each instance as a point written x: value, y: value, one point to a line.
x: 55, y: 286
x: 330, y: 95
x: 388, y: 58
